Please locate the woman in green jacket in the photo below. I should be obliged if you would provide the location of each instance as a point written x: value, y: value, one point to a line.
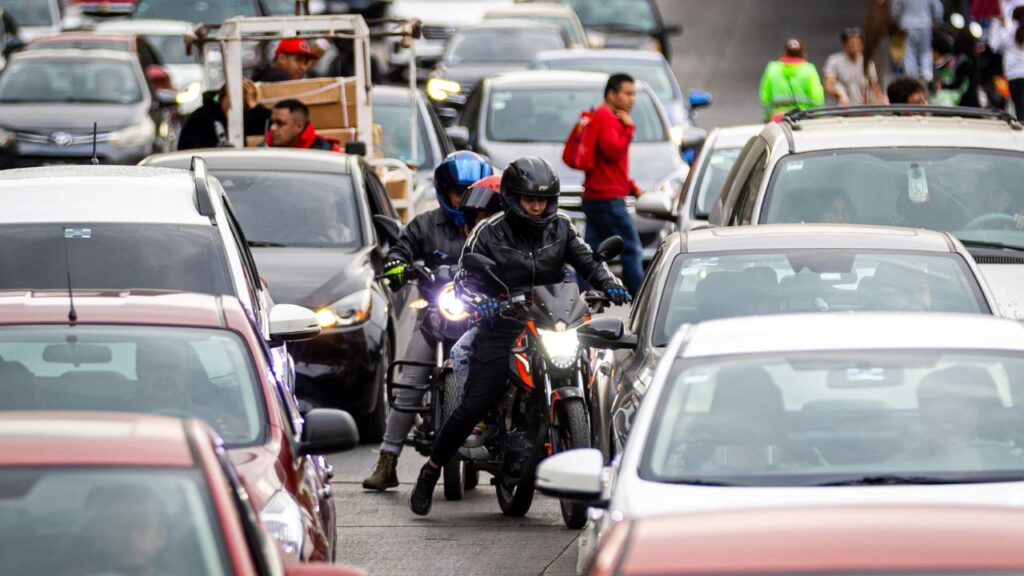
x: 790, y: 82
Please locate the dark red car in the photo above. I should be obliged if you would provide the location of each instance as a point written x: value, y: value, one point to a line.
x: 103, y: 493
x: 909, y: 540
x: 149, y: 58
x: 185, y: 355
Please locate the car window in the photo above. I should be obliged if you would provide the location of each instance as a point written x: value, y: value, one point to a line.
x: 973, y: 193
x: 532, y: 115
x: 380, y: 202
x: 496, y: 45
x: 193, y: 372
x: 394, y: 120
x: 723, y: 285
x: 198, y: 11
x: 81, y: 521
x: 812, y: 418
x: 712, y: 178
x: 294, y: 208
x: 149, y: 256
x: 655, y: 74
x: 567, y: 25
x: 171, y: 49
x: 751, y: 187
x: 100, y: 81
x: 29, y: 12
x: 616, y: 15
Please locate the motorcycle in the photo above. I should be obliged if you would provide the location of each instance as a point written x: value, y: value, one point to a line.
x: 545, y: 408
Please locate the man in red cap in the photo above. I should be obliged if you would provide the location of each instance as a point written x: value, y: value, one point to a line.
x: 292, y: 59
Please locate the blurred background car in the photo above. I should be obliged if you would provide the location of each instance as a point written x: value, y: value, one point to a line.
x: 10, y: 38
x: 33, y: 17
x: 560, y: 14
x: 631, y: 24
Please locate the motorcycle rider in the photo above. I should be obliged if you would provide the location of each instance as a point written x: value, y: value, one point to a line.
x: 437, y: 238
x: 531, y: 242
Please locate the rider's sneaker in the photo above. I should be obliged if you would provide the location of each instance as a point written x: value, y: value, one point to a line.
x: 482, y: 434
x: 423, y: 492
x: 385, y: 473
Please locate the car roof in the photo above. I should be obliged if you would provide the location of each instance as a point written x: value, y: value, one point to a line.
x: 127, y: 38
x: 97, y: 439
x: 822, y: 540
x: 601, y: 54
x: 824, y: 331
x: 734, y: 136
x: 814, y: 236
x: 74, y: 53
x: 276, y: 159
x: 889, y: 131
x: 545, y: 8
x: 547, y: 79
x: 512, y: 24
x: 124, y: 194
x: 135, y: 307
x: 144, y: 26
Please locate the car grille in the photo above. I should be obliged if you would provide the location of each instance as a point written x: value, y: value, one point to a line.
x: 438, y: 32
x: 75, y: 139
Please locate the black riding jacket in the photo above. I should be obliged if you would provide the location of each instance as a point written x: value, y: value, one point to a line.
x: 529, y: 257
x: 428, y: 234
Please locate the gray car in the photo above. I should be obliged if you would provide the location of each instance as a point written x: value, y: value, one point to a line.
x: 531, y: 114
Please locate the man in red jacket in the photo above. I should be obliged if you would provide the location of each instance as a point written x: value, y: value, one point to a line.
x: 290, y: 128
x: 608, y: 183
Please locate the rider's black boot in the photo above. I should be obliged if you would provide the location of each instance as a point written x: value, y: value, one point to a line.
x: 423, y: 493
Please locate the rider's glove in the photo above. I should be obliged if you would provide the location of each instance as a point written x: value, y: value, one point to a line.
x: 618, y: 295
x: 394, y: 273
x: 487, y: 309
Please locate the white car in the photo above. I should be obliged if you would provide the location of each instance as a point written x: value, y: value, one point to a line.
x: 814, y: 410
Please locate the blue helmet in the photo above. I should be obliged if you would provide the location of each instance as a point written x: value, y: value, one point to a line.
x: 456, y: 173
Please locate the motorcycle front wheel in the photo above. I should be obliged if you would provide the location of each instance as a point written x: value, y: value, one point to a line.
x: 453, y: 471
x: 516, y: 501
x: 573, y: 432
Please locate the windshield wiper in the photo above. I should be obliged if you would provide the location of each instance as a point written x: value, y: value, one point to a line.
x: 613, y: 27
x: 896, y: 479
x: 700, y: 482
x: 987, y: 244
x: 261, y: 244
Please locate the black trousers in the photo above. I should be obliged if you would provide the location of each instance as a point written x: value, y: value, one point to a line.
x: 485, y: 384
x: 1017, y: 94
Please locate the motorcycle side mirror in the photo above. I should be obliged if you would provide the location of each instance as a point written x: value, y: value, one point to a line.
x: 477, y: 263
x: 606, y: 333
x: 609, y: 248
x: 389, y: 228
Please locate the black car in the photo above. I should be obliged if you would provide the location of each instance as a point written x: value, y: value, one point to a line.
x: 50, y: 99
x: 308, y: 218
x: 632, y: 24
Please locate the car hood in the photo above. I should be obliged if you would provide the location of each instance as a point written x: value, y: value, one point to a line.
x: 69, y: 116
x: 184, y: 74
x: 257, y: 469
x: 1005, y: 281
x: 314, y: 277
x: 454, y: 13
x: 648, y: 162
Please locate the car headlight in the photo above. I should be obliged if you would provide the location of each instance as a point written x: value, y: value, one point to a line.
x: 450, y: 305
x: 7, y: 138
x: 349, y: 311
x: 135, y: 135
x: 678, y: 135
x: 190, y: 94
x: 282, y: 518
x: 440, y: 89
x: 561, y: 346
x: 672, y: 185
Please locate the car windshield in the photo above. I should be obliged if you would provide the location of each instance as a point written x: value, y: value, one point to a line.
x: 171, y: 49
x: 280, y: 7
x: 973, y: 193
x: 565, y: 22
x: 66, y: 43
x: 394, y: 123
x: 840, y: 417
x: 616, y: 15
x: 198, y: 11
x: 549, y: 115
x: 712, y: 177
x: 726, y: 284
x: 294, y: 208
x: 108, y: 521
x: 28, y: 12
x: 149, y: 256
x: 94, y: 80
x: 494, y: 45
x: 190, y: 372
x: 656, y: 74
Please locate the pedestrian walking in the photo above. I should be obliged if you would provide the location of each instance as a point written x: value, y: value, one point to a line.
x: 790, y: 83
x: 607, y: 181
x: 848, y: 79
x: 1007, y: 38
x: 916, y: 18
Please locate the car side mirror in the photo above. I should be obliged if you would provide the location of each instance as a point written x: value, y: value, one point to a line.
x: 459, y: 136
x: 699, y: 98
x: 606, y: 333
x: 327, y: 431
x: 673, y: 29
x: 322, y: 569
x: 165, y: 97
x: 389, y: 228
x: 291, y: 323
x: 654, y: 205
x: 609, y: 248
x: 574, y: 474
x: 477, y: 263
x: 13, y: 45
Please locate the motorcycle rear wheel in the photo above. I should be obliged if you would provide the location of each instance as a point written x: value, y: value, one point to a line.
x: 516, y: 501
x: 574, y: 432
x: 453, y: 471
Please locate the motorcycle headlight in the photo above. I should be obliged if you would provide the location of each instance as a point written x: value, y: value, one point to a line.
x: 190, y: 94
x: 135, y: 135
x: 282, y: 518
x: 560, y: 346
x: 439, y: 89
x: 6, y: 138
x: 449, y: 304
x: 349, y: 311
x: 672, y: 185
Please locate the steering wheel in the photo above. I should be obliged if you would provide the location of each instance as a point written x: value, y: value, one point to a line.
x: 993, y: 221
x: 173, y: 412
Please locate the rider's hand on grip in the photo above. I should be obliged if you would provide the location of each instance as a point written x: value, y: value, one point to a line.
x: 618, y: 295
x: 487, y: 309
x: 394, y: 273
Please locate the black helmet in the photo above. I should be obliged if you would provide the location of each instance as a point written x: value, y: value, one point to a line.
x: 530, y: 176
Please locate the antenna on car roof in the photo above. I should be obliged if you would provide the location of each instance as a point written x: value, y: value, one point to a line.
x: 72, y: 314
x: 95, y: 159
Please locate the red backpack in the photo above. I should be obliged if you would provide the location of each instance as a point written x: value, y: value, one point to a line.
x: 578, y: 152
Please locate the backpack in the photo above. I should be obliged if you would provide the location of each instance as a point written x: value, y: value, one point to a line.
x: 578, y: 152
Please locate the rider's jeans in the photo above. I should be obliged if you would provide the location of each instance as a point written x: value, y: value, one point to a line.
x: 400, y: 423
x: 488, y: 379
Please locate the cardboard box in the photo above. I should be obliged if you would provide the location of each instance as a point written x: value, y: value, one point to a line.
x: 341, y: 135
x: 332, y: 101
x: 397, y: 185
